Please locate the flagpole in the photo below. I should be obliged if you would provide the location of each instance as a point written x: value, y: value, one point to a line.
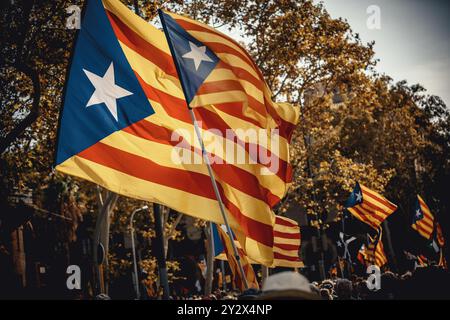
x: 204, y: 153
x: 218, y: 196
x: 209, y: 259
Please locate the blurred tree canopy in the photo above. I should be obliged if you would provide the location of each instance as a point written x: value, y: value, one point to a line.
x: 356, y: 125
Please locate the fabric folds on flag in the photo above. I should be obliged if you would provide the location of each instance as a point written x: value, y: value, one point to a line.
x: 369, y: 206
x: 125, y: 120
x: 286, y: 243
x: 225, y: 244
x: 423, y: 221
x: 375, y: 250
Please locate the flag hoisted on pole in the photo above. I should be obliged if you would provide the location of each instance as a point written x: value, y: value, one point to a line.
x: 369, y: 206
x: 423, y: 221
x: 123, y: 124
x: 372, y: 209
x: 244, y: 277
x: 197, y: 54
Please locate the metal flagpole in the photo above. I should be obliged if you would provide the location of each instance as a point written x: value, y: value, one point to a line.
x: 162, y: 268
x: 204, y: 153
x: 218, y: 196
x: 209, y: 260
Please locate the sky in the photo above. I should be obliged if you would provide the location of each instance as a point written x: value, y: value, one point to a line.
x: 413, y: 41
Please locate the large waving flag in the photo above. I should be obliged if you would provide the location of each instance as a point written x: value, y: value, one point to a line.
x: 423, y: 221
x: 369, y: 206
x: 222, y: 245
x: 125, y: 120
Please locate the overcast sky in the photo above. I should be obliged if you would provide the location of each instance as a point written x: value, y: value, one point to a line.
x: 413, y: 42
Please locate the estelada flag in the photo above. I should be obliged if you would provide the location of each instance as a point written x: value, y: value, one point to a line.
x: 123, y: 105
x: 369, y: 206
x: 423, y: 220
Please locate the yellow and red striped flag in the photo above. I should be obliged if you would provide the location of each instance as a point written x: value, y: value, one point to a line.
x: 375, y: 250
x: 126, y: 139
x: 286, y: 243
x: 423, y: 221
x: 226, y: 245
x: 369, y: 206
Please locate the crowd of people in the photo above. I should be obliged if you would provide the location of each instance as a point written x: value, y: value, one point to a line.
x: 422, y: 283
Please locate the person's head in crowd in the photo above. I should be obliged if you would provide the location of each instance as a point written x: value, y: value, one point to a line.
x: 343, y: 289
x: 406, y: 276
x: 327, y: 284
x: 362, y: 291
x: 326, y: 294
x: 287, y: 285
x: 249, y: 294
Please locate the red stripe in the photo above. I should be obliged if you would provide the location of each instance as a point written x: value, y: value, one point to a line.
x: 279, y: 220
x: 184, y: 180
x: 287, y: 247
x: 285, y: 235
x: 220, y: 86
x: 142, y: 47
x: 280, y: 256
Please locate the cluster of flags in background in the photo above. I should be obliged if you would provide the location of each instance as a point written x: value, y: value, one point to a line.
x: 373, y: 209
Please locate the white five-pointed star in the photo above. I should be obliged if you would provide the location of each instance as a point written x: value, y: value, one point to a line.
x: 418, y: 213
x: 106, y: 91
x: 197, y: 54
x: 358, y: 196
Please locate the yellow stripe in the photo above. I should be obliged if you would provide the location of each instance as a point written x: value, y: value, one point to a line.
x: 145, y: 30
x: 287, y: 264
x: 289, y: 253
x: 218, y: 98
x: 278, y: 240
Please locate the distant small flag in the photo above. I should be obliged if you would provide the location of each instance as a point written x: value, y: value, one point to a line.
x: 362, y: 254
x: 439, y: 235
x: 369, y: 206
x: 375, y: 250
x: 423, y: 221
x: 226, y: 246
